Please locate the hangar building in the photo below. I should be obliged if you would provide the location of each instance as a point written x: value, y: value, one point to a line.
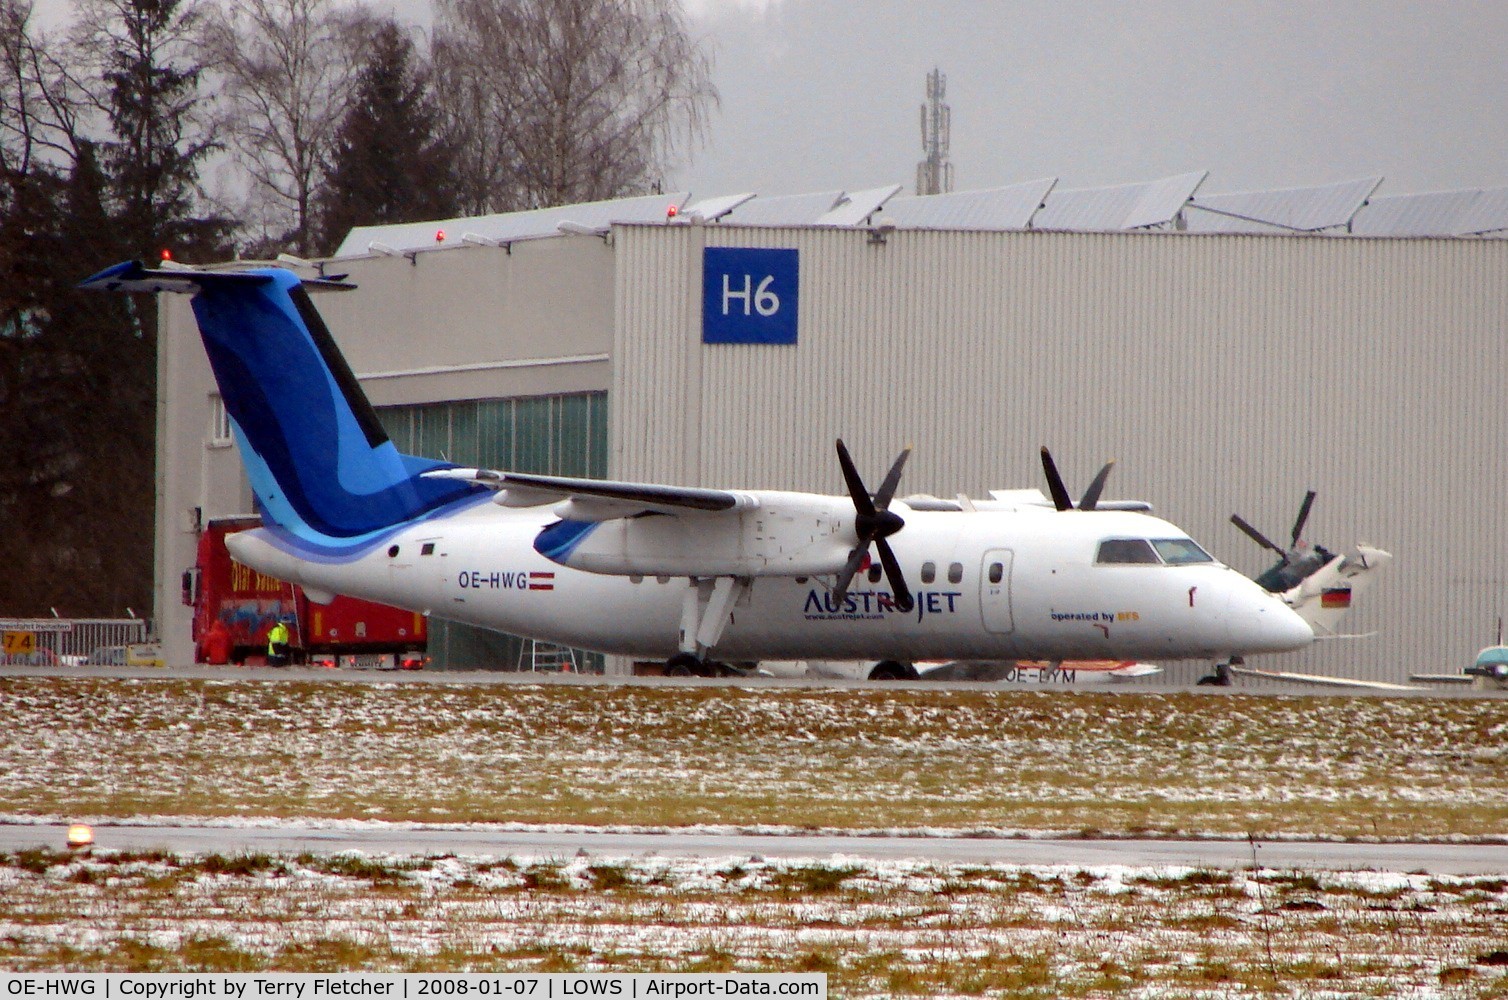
x: 1231, y: 351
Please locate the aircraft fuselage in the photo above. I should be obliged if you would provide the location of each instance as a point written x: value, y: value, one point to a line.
x: 987, y: 584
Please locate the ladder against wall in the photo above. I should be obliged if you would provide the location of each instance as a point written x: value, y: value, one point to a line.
x: 547, y: 657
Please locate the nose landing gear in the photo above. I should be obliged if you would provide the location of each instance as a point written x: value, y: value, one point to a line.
x: 1220, y: 675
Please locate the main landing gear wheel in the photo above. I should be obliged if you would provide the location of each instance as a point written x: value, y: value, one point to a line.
x: 684, y: 665
x: 892, y: 670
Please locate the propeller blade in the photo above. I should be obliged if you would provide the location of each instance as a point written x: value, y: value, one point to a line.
x: 1055, y: 485
x: 1298, y: 525
x: 1257, y: 536
x: 845, y: 577
x: 856, y: 490
x: 892, y: 480
x: 1091, y: 496
x: 893, y: 574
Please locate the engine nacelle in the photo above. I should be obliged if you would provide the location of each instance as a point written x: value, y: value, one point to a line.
x: 787, y: 534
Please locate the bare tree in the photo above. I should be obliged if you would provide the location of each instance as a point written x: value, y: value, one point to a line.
x: 286, y: 67
x: 558, y: 101
x: 41, y: 102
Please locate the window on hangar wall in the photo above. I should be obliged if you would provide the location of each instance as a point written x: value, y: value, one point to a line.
x: 563, y: 435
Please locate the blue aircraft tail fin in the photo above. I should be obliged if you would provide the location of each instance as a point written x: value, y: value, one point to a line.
x: 323, y: 469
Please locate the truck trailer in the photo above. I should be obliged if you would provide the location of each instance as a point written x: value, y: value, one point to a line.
x: 235, y: 607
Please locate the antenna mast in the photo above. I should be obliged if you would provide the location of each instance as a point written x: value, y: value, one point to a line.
x: 934, y: 175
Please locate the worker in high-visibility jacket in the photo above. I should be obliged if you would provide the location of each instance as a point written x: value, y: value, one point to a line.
x: 278, y: 638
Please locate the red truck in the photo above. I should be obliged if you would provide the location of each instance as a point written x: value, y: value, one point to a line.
x: 234, y: 607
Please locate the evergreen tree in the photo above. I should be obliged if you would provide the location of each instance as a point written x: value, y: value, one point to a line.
x: 78, y: 371
x: 148, y: 87
x: 388, y: 162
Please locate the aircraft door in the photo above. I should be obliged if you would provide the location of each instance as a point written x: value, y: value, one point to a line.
x: 433, y: 581
x: 995, y: 591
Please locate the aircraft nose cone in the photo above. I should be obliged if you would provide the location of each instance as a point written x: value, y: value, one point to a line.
x: 1289, y: 630
x: 1260, y: 623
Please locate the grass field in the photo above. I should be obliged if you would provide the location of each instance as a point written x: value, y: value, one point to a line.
x: 875, y: 928
x: 857, y: 759
x: 772, y: 759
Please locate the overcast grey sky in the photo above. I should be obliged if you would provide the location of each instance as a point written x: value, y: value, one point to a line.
x: 824, y: 94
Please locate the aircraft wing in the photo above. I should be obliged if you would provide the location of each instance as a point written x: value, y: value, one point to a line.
x: 597, y: 499
x: 1013, y: 499
x: 1320, y: 679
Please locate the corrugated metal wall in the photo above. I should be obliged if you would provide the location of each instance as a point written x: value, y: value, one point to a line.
x: 559, y: 435
x: 1225, y: 373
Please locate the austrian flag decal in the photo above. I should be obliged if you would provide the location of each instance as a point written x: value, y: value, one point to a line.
x: 541, y: 581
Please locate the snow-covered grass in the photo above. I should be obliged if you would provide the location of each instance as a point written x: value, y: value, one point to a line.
x: 876, y: 928
x: 831, y: 759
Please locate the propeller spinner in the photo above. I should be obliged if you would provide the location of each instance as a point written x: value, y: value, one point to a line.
x: 873, y: 523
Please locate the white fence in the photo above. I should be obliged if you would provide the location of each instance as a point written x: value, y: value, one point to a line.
x: 53, y: 641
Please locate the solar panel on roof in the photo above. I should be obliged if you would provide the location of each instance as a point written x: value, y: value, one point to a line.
x: 1434, y: 213
x: 1305, y: 209
x: 994, y: 208
x: 1161, y: 201
x: 1087, y: 208
x: 857, y: 206
x: 786, y: 210
x: 1487, y: 214
x: 712, y: 209
x: 1122, y: 206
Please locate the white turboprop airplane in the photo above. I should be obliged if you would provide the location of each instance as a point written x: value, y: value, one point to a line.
x: 688, y: 575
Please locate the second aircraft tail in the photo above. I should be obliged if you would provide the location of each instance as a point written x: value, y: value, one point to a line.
x: 1324, y: 597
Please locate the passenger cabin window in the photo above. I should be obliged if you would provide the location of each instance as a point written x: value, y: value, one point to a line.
x: 955, y: 572
x: 1123, y: 551
x: 1180, y: 551
x: 997, y: 572
x: 929, y: 572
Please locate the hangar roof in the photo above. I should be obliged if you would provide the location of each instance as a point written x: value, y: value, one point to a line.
x: 1170, y: 203
x: 408, y: 236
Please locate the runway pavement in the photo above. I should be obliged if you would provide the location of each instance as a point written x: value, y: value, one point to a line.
x: 1445, y: 859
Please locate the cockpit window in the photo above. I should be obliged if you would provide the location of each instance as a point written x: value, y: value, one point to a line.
x: 1119, y: 551
x: 1180, y: 551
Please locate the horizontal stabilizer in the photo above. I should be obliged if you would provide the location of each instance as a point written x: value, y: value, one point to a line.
x: 133, y: 276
